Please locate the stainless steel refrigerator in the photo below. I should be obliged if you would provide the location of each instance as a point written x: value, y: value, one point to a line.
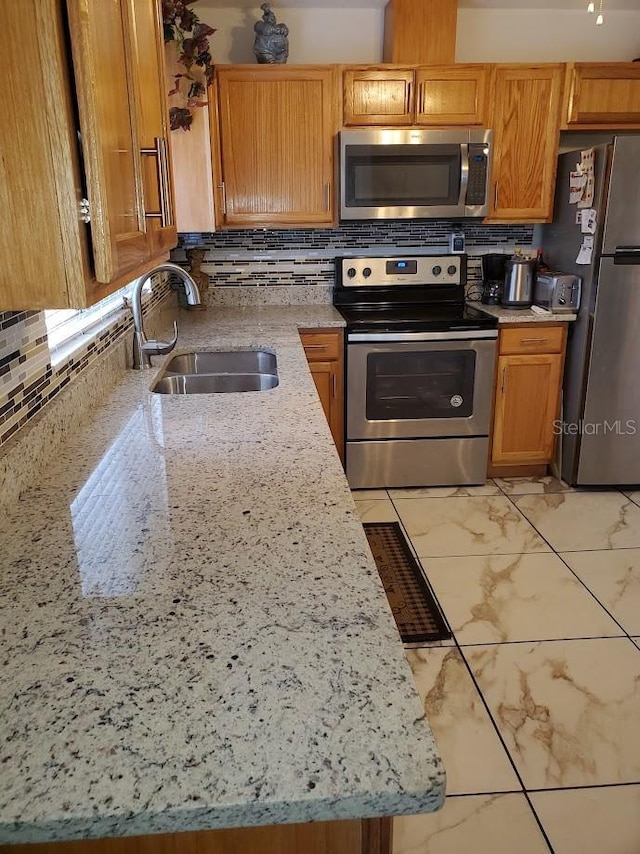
x: 600, y: 438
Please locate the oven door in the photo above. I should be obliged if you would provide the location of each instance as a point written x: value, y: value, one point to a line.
x: 420, y: 385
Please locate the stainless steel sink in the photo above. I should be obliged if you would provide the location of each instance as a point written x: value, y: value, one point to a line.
x: 233, y: 362
x: 218, y: 373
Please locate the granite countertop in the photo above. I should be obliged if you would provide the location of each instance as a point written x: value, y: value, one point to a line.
x: 194, y: 634
x: 523, y: 315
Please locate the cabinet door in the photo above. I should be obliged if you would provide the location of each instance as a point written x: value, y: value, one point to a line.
x: 526, y: 122
x: 100, y: 43
x: 526, y: 406
x: 378, y: 97
x: 328, y: 380
x: 152, y: 117
x: 604, y: 95
x: 276, y: 145
x: 452, y: 95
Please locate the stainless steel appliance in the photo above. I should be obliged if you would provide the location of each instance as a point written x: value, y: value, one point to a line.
x: 557, y: 291
x: 493, y: 270
x: 600, y: 444
x: 413, y: 173
x: 419, y: 372
x: 519, y: 278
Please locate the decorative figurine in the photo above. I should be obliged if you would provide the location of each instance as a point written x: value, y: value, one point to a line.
x: 271, y: 44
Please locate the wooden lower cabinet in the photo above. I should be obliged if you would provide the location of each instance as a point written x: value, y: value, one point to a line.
x: 529, y: 382
x: 324, y: 350
x: 357, y: 836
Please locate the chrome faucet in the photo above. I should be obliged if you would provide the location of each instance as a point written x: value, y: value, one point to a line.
x: 143, y: 348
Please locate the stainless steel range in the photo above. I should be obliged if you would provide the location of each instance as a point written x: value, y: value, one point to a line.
x: 420, y: 372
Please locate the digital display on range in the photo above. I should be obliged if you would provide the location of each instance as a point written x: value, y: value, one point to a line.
x: 399, y: 266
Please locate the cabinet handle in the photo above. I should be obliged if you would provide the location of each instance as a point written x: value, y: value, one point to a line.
x: 224, y: 197
x: 495, y: 195
x: 504, y: 380
x: 532, y: 340
x: 315, y: 346
x: 328, y: 196
x: 333, y: 386
x: 159, y: 151
x: 409, y: 98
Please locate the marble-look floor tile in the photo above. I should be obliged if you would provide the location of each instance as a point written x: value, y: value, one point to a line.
x: 582, y: 521
x: 613, y: 576
x: 501, y: 598
x: 376, y: 510
x: 532, y: 485
x: 591, y: 821
x: 488, y: 488
x: 368, y: 494
x: 636, y: 641
x: 567, y: 710
x: 475, y: 824
x: 467, y: 526
x: 474, y: 758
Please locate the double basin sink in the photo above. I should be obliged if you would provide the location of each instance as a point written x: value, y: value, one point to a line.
x: 218, y: 373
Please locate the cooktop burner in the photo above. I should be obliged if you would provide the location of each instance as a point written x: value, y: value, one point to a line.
x: 408, y: 293
x: 415, y: 318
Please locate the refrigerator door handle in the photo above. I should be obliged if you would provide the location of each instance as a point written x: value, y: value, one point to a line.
x: 626, y: 255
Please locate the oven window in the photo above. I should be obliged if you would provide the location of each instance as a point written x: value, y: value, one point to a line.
x: 419, y: 385
x: 400, y: 175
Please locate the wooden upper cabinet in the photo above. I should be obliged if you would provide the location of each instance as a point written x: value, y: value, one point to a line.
x: 378, y: 97
x: 452, y: 95
x: 102, y: 62
x: 97, y: 63
x: 526, y: 123
x: 276, y: 139
x: 603, y: 95
x: 152, y: 120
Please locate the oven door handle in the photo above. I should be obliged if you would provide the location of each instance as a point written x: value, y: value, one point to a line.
x: 383, y: 337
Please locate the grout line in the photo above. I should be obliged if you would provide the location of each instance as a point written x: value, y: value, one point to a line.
x: 545, y: 640
x: 585, y: 786
x: 539, y: 822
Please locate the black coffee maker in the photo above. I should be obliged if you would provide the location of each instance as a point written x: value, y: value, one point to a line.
x: 493, y: 273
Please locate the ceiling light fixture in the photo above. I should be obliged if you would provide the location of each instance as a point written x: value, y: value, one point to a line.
x: 591, y: 7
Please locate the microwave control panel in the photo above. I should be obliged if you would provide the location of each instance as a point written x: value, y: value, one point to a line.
x: 478, y: 166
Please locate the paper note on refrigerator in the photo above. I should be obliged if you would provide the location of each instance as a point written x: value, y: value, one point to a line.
x: 586, y: 167
x: 577, y: 182
x: 586, y: 250
x: 588, y: 220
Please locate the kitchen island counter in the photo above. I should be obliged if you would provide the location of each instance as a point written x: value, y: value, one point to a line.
x: 194, y: 634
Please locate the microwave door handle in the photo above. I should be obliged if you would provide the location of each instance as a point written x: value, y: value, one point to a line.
x: 464, y: 174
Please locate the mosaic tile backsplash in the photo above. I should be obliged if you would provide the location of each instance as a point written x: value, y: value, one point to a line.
x: 28, y: 380
x: 263, y: 257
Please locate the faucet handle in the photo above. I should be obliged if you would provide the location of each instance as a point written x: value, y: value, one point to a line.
x: 161, y: 348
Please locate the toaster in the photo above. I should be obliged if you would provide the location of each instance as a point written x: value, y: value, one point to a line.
x: 558, y: 291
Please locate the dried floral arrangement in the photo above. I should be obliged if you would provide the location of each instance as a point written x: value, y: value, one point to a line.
x: 184, y: 27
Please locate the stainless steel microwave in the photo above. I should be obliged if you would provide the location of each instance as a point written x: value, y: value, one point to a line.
x: 414, y: 174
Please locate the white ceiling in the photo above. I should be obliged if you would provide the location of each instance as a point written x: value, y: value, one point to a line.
x: 576, y: 5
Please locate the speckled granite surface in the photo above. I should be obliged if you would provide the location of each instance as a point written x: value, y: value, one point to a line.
x: 523, y: 315
x: 194, y: 634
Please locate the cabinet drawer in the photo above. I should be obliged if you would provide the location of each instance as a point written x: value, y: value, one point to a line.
x: 532, y: 339
x: 321, y: 346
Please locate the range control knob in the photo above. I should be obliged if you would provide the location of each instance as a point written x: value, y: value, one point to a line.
x: 351, y: 272
x: 366, y: 272
x: 452, y: 269
x: 436, y: 270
